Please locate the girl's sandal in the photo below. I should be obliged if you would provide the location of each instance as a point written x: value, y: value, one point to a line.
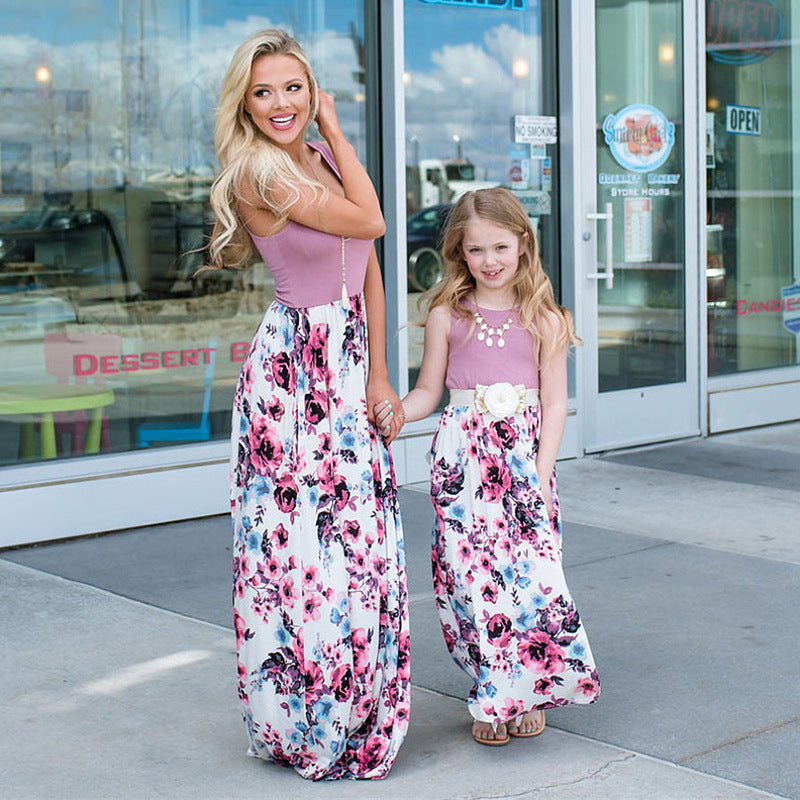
x: 496, y: 742
x: 516, y: 732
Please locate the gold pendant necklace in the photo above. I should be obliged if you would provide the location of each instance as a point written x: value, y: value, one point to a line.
x: 487, y: 332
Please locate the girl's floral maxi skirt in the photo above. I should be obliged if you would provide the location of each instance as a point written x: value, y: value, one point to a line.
x: 319, y: 587
x: 504, y: 606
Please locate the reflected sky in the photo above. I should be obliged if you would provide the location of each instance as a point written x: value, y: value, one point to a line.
x: 435, y: 26
x: 153, y: 71
x: 469, y: 69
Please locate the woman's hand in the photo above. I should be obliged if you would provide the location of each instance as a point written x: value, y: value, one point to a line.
x: 384, y: 408
x: 327, y: 118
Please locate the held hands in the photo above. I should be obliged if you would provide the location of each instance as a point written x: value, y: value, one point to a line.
x: 548, y: 499
x: 384, y: 409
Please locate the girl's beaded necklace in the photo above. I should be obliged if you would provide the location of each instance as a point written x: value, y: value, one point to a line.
x: 487, y: 332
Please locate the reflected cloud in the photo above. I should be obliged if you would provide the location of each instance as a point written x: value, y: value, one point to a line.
x: 468, y: 93
x: 150, y: 105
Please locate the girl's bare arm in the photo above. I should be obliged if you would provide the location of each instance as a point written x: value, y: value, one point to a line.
x: 422, y: 400
x: 553, y: 401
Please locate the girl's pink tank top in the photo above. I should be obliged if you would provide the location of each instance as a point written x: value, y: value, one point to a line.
x: 306, y: 264
x: 470, y: 361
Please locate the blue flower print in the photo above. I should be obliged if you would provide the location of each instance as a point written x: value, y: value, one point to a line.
x: 577, y: 650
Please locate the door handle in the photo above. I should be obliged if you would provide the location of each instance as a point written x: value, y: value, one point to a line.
x: 608, y: 274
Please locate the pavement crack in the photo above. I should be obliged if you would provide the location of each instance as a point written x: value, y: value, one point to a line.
x: 529, y: 793
x: 736, y: 739
x: 634, y: 551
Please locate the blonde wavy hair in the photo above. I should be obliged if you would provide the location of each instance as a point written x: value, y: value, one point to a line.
x: 249, y: 161
x: 533, y: 291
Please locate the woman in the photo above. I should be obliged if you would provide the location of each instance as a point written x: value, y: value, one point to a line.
x: 320, y: 600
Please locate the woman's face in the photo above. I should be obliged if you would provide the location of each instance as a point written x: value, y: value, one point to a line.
x: 279, y: 98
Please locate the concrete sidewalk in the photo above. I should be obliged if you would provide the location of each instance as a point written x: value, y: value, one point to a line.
x: 117, y: 675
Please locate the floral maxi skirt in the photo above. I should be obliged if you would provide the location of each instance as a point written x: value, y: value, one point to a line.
x: 319, y: 587
x: 506, y: 613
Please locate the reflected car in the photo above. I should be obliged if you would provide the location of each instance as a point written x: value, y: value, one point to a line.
x: 423, y: 240
x: 55, y: 265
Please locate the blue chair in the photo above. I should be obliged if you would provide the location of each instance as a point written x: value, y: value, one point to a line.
x: 150, y: 432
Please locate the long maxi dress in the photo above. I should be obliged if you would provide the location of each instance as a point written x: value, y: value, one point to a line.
x: 319, y: 589
x: 506, y: 612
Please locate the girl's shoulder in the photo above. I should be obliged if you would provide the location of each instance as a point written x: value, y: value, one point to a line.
x: 439, y: 314
x: 438, y: 321
x: 550, y: 322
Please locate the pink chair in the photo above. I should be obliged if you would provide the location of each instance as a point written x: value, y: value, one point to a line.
x: 60, y: 355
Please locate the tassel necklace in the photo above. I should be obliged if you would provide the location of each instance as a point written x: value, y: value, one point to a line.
x: 316, y: 177
x: 344, y: 272
x: 487, y: 332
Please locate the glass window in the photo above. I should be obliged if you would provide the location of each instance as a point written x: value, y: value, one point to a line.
x: 752, y: 119
x: 469, y: 71
x: 109, y: 340
x: 640, y: 166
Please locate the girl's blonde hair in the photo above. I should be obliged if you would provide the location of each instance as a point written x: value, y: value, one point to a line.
x: 532, y: 288
x: 249, y: 160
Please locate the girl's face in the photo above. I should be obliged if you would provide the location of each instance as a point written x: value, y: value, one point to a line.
x: 492, y: 255
x: 279, y: 98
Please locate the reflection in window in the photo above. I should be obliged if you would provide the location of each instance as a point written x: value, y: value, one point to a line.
x: 106, y: 159
x: 468, y: 72
x: 753, y: 263
x: 640, y: 165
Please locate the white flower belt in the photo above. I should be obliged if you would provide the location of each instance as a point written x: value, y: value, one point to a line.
x: 500, y: 399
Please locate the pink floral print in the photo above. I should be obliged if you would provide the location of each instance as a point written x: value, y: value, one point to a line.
x: 506, y: 613
x: 319, y: 588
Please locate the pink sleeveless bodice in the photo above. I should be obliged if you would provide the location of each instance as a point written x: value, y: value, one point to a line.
x: 306, y: 264
x: 470, y: 361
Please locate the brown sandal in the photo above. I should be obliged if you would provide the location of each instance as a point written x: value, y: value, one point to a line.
x: 496, y: 742
x: 526, y: 734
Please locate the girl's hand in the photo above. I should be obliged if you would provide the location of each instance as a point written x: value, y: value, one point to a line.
x: 384, y: 408
x: 327, y: 119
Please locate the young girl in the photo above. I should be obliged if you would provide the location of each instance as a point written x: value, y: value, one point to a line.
x: 497, y: 339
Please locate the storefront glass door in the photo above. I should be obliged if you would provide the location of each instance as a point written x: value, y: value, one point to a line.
x: 640, y: 332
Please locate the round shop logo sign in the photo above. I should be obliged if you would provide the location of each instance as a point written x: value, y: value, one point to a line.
x: 640, y: 137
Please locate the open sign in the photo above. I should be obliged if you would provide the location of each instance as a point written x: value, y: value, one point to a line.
x: 743, y: 119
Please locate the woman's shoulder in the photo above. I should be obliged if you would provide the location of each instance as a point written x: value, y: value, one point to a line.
x: 322, y: 146
x: 324, y: 149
